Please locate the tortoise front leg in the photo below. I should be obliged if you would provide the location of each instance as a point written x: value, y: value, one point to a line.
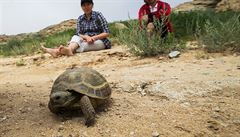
x: 88, y: 110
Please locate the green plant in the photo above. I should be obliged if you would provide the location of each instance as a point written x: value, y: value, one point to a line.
x: 221, y: 36
x: 60, y: 38
x: 141, y: 44
x: 31, y: 43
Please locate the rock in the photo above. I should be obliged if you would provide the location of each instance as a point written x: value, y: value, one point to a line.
x: 161, y: 58
x: 43, y: 134
x: 61, y: 127
x: 238, y: 67
x: 3, y: 118
x: 42, y: 105
x: 174, y: 54
x: 127, y: 87
x: 224, y: 5
x: 219, y: 5
x: 28, y: 85
x: 25, y: 110
x: 132, y: 133
x: 155, y: 134
x: 216, y: 109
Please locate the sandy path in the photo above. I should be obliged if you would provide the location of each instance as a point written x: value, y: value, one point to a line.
x: 177, y: 97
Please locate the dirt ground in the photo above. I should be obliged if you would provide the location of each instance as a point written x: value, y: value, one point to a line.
x: 185, y: 96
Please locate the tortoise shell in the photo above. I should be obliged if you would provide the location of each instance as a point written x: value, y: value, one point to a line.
x: 84, y: 81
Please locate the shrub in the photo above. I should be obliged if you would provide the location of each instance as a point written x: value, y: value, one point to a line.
x: 31, y: 43
x: 220, y: 36
x: 140, y: 44
x: 60, y: 38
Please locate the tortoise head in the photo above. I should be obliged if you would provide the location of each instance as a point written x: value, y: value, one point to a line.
x: 62, y: 98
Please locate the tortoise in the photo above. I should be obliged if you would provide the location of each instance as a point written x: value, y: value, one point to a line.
x: 79, y: 89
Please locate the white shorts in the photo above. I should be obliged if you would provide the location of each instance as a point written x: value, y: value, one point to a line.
x: 84, y: 46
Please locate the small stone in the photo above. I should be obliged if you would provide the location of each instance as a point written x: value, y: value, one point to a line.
x: 3, y: 118
x: 216, y: 109
x: 42, y: 105
x: 143, y: 93
x: 60, y: 128
x: 186, y: 104
x: 27, y: 85
x: 43, y: 134
x: 174, y: 77
x: 238, y: 67
x: 174, y: 54
x: 126, y: 87
x: 236, y: 121
x: 155, y: 134
x: 132, y: 133
x: 108, y: 131
x: 161, y: 58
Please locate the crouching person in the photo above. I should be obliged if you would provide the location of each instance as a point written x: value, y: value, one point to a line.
x: 154, y: 16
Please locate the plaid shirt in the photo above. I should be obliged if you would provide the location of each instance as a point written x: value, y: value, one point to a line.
x: 96, y: 25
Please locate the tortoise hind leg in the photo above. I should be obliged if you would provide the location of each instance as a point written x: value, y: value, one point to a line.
x: 87, y: 110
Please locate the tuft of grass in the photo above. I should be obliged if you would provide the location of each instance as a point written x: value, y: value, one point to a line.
x: 140, y: 44
x: 221, y: 36
x: 31, y: 44
x: 218, y: 31
x: 60, y: 38
x: 187, y: 24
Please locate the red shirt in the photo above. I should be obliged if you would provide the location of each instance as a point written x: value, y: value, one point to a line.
x: 161, y: 8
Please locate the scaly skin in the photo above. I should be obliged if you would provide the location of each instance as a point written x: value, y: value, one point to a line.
x: 88, y: 110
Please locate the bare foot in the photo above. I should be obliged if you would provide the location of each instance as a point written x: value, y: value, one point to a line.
x: 65, y: 51
x: 53, y: 52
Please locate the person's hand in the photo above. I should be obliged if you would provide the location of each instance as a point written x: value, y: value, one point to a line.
x: 89, y: 40
x: 145, y: 18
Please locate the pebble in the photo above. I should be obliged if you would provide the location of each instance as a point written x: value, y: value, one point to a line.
x: 174, y: 54
x: 42, y: 105
x: 155, y: 134
x: 236, y: 121
x: 216, y: 109
x: 238, y: 67
x: 132, y: 133
x: 61, y: 127
x: 161, y: 58
x: 143, y: 93
x: 27, y: 85
x: 3, y: 119
x: 43, y: 134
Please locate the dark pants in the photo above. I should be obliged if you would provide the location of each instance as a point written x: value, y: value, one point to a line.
x: 160, y: 26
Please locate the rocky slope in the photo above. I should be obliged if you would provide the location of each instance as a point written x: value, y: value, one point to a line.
x: 219, y: 5
x: 67, y: 24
